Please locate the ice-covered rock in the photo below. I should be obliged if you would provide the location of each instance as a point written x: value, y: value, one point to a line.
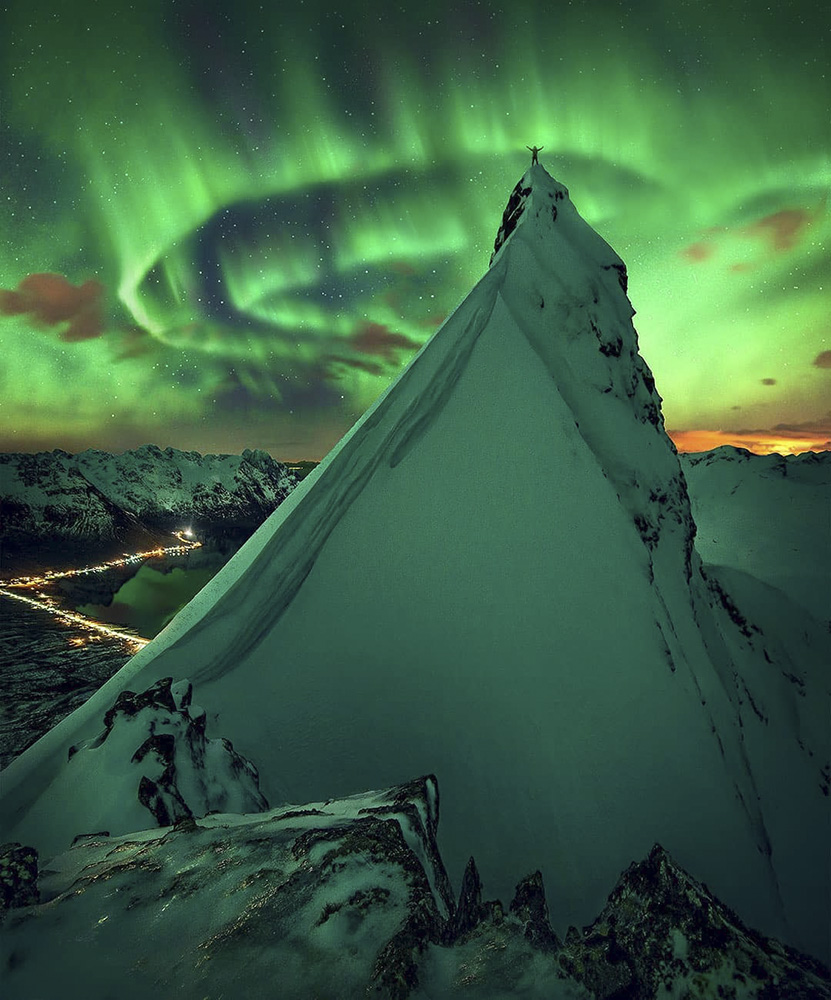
x: 153, y: 756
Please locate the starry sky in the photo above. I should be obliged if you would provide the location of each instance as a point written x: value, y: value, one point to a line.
x: 231, y: 224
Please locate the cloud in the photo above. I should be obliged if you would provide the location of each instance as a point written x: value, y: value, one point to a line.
x: 823, y: 360
x: 782, y: 230
x: 768, y: 381
x: 50, y: 300
x: 785, y: 439
x: 432, y: 322
x: 697, y: 252
x: 777, y: 232
x: 372, y: 367
x: 135, y: 342
x: 809, y: 427
x: 373, y: 339
x: 379, y: 340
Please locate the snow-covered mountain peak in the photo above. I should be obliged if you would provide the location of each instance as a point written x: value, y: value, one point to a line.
x: 536, y: 194
x: 566, y: 290
x: 540, y: 208
x: 545, y: 642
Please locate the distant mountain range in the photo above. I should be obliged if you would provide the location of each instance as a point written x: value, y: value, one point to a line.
x: 764, y: 518
x: 54, y: 504
x: 62, y: 504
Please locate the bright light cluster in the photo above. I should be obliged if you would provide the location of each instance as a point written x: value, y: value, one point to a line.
x: 47, y: 602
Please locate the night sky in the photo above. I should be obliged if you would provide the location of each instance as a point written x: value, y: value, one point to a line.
x: 230, y: 224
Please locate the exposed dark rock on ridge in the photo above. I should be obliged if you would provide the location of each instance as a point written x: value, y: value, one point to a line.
x: 660, y: 928
x: 157, y: 742
x: 18, y: 876
x: 350, y: 898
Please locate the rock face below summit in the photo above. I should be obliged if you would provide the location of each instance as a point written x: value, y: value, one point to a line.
x: 349, y: 898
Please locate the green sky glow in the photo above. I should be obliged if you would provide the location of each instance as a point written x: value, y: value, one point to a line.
x: 281, y: 205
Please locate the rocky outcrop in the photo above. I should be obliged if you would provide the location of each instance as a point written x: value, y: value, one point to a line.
x: 661, y: 930
x: 156, y: 743
x: 18, y: 876
x: 350, y: 898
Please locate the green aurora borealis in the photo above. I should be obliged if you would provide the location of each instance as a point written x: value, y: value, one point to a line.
x: 228, y: 225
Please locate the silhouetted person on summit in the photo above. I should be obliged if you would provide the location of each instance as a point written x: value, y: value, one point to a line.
x: 534, y: 151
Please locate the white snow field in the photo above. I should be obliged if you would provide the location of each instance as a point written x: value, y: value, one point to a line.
x: 544, y: 641
x: 768, y: 516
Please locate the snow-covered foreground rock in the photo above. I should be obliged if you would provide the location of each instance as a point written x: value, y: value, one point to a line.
x: 153, y: 755
x: 350, y: 898
x: 549, y: 644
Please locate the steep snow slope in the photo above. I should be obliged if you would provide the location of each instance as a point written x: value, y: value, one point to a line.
x: 548, y: 645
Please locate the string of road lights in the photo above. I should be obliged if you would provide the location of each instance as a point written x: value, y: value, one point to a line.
x: 46, y: 602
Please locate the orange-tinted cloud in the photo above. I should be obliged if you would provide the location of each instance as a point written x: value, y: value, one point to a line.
x: 402, y: 267
x: 431, y: 322
x: 49, y: 300
x: 778, y: 232
x: 373, y: 339
x: 379, y: 340
x: 823, y: 360
x: 696, y: 252
x: 782, y: 230
x: 784, y: 439
x: 135, y: 342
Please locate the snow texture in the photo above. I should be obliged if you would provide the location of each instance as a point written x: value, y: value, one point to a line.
x: 766, y: 516
x: 550, y: 645
x: 326, y: 899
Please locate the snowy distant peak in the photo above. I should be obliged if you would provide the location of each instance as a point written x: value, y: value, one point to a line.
x: 96, y: 496
x: 810, y: 466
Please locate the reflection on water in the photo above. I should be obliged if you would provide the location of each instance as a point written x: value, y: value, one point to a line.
x: 63, y: 634
x: 148, y: 601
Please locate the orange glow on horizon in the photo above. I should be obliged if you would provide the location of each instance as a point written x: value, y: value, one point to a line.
x: 758, y: 442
